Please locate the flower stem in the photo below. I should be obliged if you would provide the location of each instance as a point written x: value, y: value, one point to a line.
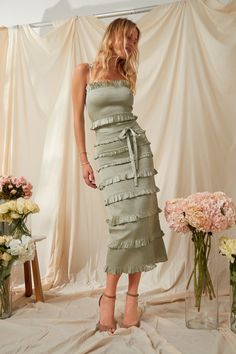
x: 202, y: 280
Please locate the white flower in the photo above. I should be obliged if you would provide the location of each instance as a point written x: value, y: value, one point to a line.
x: 4, y: 208
x: 14, y: 215
x: 227, y: 247
x: 31, y: 206
x: 6, y: 257
x: 12, y: 205
x: 2, y: 240
x: 24, y: 248
x: 14, y: 246
x: 5, y: 239
x: 20, y: 204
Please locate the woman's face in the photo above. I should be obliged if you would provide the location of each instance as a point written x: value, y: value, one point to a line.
x: 130, y: 43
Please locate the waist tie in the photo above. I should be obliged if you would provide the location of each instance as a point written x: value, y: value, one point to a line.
x: 129, y: 134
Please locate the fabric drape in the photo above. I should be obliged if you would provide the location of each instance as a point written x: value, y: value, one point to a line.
x: 186, y: 94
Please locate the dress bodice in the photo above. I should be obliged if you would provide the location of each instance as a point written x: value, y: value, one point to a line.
x: 106, y: 98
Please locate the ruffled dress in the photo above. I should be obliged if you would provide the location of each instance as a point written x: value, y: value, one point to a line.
x: 126, y: 179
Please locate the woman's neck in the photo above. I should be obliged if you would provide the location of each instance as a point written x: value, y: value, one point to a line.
x: 113, y: 63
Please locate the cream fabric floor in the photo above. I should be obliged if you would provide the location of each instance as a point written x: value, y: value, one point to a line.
x: 65, y: 323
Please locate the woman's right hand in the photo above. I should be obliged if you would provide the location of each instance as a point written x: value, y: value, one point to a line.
x: 88, y: 175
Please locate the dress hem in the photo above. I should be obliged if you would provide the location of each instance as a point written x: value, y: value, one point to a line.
x: 134, y: 269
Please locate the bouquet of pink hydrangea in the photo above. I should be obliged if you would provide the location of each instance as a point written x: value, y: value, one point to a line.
x: 202, y: 214
x: 206, y: 212
x: 15, y: 187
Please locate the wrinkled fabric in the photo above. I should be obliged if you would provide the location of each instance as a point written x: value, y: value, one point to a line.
x: 186, y: 94
x: 65, y: 323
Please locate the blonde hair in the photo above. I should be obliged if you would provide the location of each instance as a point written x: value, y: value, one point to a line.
x: 117, y: 31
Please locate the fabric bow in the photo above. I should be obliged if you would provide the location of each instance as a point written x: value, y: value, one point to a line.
x: 130, y: 135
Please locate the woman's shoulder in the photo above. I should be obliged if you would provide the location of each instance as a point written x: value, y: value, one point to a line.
x: 81, y: 73
x: 82, y: 68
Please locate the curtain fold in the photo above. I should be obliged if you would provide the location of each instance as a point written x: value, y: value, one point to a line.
x: 3, y: 127
x: 185, y: 100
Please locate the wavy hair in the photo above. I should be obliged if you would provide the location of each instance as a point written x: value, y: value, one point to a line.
x: 117, y: 32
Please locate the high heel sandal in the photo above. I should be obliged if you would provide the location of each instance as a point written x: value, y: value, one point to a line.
x: 136, y: 324
x: 102, y: 327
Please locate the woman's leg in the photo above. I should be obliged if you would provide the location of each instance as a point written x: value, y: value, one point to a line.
x: 131, y: 306
x: 107, y: 304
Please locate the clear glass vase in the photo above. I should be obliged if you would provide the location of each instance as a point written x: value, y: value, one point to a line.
x: 201, y: 300
x: 5, y: 297
x: 232, y: 270
x: 4, y: 227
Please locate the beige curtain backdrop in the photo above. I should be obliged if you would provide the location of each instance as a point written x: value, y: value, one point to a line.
x: 185, y: 100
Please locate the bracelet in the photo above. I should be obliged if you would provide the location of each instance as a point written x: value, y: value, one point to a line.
x: 84, y: 163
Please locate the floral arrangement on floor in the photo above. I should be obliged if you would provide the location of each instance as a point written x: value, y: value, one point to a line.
x: 202, y: 214
x: 227, y: 248
x: 16, y: 244
x: 15, y: 204
x: 12, y: 250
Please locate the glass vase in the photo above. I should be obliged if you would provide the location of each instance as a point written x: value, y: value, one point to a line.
x: 4, y: 227
x: 5, y: 296
x: 232, y: 270
x: 201, y: 300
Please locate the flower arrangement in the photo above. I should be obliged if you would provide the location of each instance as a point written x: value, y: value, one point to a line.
x: 15, y: 212
x: 17, y: 245
x: 12, y: 250
x: 15, y: 187
x: 227, y: 248
x: 202, y: 214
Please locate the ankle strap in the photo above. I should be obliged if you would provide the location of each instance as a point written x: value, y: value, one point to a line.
x: 109, y: 296
x: 134, y: 295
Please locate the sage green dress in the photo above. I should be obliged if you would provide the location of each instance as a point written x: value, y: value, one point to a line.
x: 126, y: 178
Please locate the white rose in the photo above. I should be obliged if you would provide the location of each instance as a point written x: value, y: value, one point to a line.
x: 4, y: 208
x: 12, y: 205
x: 2, y: 240
x: 14, y: 215
x: 31, y: 206
x: 29, y: 249
x: 6, y: 257
x: 227, y: 247
x: 24, y: 248
x: 20, y: 204
x: 8, y: 239
x: 25, y: 240
x: 14, y: 247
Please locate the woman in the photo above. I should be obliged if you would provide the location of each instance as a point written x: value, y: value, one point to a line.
x: 125, y: 166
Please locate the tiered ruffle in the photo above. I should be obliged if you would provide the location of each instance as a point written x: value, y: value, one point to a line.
x: 106, y: 83
x: 134, y: 226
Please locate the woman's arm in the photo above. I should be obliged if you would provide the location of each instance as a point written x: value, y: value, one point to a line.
x: 78, y: 98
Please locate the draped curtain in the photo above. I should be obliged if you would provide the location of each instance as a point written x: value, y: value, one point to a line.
x: 186, y: 94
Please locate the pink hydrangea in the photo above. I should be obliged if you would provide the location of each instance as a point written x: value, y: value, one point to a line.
x: 174, y: 213
x: 207, y: 212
